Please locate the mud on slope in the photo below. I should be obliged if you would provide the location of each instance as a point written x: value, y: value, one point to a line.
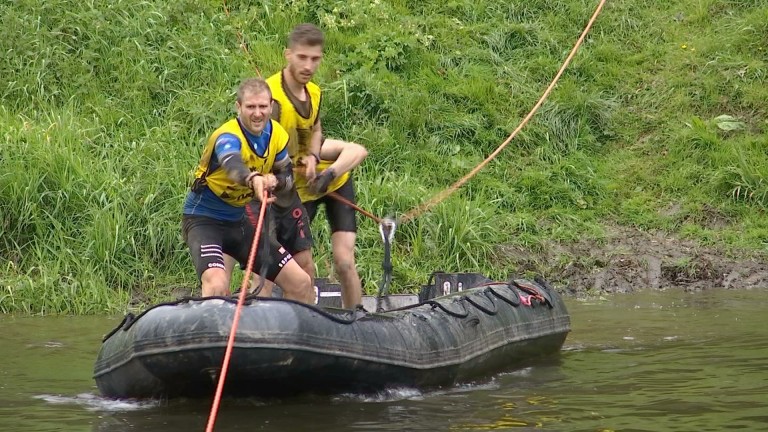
x: 629, y: 259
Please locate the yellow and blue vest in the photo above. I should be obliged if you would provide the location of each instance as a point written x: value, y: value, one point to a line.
x: 216, y: 179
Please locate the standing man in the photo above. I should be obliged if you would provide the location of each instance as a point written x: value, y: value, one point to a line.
x: 324, y: 165
x: 245, y: 156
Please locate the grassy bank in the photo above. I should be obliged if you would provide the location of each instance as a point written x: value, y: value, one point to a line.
x: 660, y: 123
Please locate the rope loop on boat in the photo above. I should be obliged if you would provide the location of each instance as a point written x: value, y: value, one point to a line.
x: 515, y: 287
x: 320, y: 311
x: 130, y: 319
x: 436, y: 304
x: 354, y: 313
x: 127, y: 321
x: 512, y: 303
x: 533, y: 290
x: 482, y: 308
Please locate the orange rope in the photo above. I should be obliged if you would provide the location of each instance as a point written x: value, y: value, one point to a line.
x: 341, y: 199
x: 454, y: 187
x: 417, y: 211
x: 236, y: 319
x: 439, y: 197
x: 241, y: 41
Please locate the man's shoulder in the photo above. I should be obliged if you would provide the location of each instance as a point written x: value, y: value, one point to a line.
x: 275, y: 78
x: 228, y: 127
x: 227, y: 137
x: 312, y: 87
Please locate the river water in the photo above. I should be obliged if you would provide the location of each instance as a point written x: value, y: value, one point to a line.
x: 649, y: 361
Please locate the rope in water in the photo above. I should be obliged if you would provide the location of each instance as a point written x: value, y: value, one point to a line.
x: 236, y: 319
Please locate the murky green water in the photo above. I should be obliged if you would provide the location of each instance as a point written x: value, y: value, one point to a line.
x: 669, y: 361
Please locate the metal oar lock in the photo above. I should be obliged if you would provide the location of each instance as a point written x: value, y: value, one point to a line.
x: 387, y: 228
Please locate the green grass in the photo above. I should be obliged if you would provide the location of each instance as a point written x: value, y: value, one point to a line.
x: 106, y: 104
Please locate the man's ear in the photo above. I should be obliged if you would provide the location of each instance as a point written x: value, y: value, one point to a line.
x: 286, y: 53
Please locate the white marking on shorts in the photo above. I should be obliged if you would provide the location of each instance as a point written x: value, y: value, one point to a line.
x: 211, y: 250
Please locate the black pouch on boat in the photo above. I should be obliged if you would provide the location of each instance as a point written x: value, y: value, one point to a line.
x: 441, y: 283
x: 328, y: 293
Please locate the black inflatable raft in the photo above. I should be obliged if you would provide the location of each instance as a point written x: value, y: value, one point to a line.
x: 285, y: 348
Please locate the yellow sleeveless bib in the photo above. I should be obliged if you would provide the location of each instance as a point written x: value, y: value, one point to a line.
x: 217, y: 180
x: 300, y: 131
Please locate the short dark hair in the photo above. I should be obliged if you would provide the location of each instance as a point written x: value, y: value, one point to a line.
x: 306, y: 34
x: 252, y: 85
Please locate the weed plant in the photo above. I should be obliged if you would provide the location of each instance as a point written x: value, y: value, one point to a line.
x: 660, y: 123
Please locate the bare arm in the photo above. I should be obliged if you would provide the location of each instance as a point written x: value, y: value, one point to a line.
x: 347, y: 155
x: 317, y: 138
x: 310, y: 161
x: 237, y: 171
x: 235, y: 167
x: 283, y: 171
x: 227, y: 149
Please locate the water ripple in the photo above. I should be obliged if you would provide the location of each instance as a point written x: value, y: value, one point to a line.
x: 92, y: 402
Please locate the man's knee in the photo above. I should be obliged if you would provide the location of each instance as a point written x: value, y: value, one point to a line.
x: 305, y: 261
x: 343, y: 250
x: 229, y: 264
x: 295, y: 283
x: 304, y: 283
x: 301, y: 288
x: 344, y: 264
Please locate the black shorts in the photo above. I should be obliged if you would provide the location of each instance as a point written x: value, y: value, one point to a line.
x: 341, y: 217
x: 290, y: 225
x: 209, y: 239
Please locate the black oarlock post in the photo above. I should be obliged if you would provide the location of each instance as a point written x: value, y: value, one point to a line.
x: 387, y: 228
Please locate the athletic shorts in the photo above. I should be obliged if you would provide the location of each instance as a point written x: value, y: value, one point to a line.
x: 209, y: 239
x: 341, y: 217
x: 289, y: 225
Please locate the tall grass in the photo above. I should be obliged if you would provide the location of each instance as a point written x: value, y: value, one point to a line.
x: 106, y: 104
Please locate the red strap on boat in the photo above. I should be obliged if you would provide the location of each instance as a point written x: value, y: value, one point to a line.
x: 530, y: 289
x: 236, y: 319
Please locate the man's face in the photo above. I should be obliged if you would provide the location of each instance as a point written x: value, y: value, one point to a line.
x: 303, y: 61
x: 254, y: 111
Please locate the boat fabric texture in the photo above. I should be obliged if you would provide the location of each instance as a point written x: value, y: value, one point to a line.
x: 284, y: 347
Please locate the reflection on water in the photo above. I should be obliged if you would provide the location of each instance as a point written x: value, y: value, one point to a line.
x: 652, y: 361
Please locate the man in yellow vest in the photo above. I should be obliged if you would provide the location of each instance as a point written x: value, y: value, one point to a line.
x: 324, y: 165
x: 244, y: 157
